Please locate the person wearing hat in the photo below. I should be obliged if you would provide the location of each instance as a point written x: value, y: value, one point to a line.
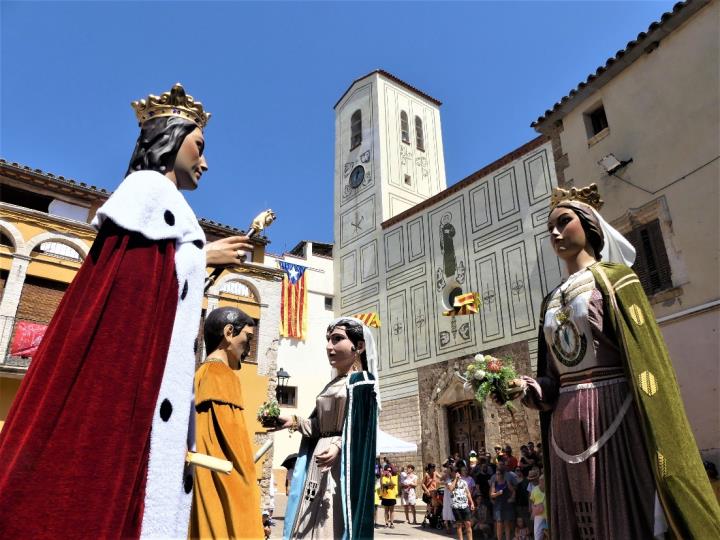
x: 96, y: 439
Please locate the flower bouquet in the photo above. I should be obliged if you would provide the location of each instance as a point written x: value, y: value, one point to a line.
x: 490, y: 376
x: 268, y: 414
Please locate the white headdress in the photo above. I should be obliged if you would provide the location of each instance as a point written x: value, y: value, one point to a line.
x: 370, y: 352
x: 617, y: 248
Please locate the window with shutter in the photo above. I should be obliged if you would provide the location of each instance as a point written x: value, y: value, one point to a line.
x: 404, y: 127
x: 419, y: 135
x: 355, y: 129
x: 652, y: 264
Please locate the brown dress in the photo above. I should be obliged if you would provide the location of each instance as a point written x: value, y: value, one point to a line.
x: 224, y: 506
x: 602, y: 485
x: 320, y: 513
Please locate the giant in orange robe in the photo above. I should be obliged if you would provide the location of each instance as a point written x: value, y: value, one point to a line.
x: 224, y: 506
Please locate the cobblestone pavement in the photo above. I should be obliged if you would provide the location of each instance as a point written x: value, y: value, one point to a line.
x: 402, y: 530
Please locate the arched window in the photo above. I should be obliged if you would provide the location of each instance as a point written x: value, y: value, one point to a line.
x: 404, y: 127
x: 355, y: 129
x: 419, y: 137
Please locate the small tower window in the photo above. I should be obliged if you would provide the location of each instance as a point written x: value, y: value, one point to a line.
x: 404, y: 127
x: 408, y: 180
x: 355, y: 129
x: 595, y: 121
x: 419, y: 136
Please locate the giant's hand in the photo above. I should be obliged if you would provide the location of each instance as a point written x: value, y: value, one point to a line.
x: 326, y: 459
x: 228, y: 251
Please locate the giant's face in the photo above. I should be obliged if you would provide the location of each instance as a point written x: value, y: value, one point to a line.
x: 190, y: 163
x: 340, y: 351
x: 567, y: 235
x: 240, y: 345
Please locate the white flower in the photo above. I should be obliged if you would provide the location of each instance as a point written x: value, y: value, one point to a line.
x: 479, y: 358
x: 479, y: 375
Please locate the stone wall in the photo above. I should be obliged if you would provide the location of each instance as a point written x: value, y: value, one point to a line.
x: 439, y: 388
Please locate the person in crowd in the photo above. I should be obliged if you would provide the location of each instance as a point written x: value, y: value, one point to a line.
x: 539, y: 511
x: 498, y: 453
x: 376, y: 503
x: 408, y: 495
x: 502, y: 468
x: 522, y: 496
x: 533, y: 453
x: 266, y: 524
x: 525, y: 462
x: 429, y: 486
x: 607, y: 394
x: 522, y: 531
x: 533, y: 477
x: 468, y: 480
x: 387, y: 462
x: 482, y: 480
x: 331, y: 496
x: 510, y: 460
x: 459, y: 460
x: 461, y: 502
x: 224, y: 505
x: 502, y: 494
x: 388, y: 494
x: 482, y: 523
x: 447, y: 513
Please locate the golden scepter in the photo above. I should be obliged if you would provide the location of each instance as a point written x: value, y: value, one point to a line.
x: 262, y: 220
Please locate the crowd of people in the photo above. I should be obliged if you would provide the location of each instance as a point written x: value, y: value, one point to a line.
x: 485, y: 495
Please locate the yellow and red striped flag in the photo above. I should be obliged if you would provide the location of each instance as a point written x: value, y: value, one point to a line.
x: 371, y: 320
x: 464, y: 304
x: 293, y: 303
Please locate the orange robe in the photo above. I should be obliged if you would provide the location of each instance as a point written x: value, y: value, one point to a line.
x: 224, y: 506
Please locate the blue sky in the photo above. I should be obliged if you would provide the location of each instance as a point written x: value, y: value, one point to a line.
x: 270, y: 72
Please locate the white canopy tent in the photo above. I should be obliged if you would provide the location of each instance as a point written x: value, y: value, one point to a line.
x: 386, y: 444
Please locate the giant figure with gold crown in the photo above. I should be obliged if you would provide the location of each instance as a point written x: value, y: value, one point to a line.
x: 620, y: 460
x: 94, y: 445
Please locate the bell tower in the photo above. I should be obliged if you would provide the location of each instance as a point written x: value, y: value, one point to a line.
x: 388, y: 158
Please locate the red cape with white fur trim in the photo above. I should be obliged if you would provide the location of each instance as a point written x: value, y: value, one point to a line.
x: 75, y: 444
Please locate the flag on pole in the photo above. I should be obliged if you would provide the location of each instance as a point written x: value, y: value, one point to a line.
x: 293, y: 303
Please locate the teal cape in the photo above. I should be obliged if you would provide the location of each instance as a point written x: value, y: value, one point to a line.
x: 683, y: 488
x: 357, y: 469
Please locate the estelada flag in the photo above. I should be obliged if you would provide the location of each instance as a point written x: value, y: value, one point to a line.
x: 293, y: 304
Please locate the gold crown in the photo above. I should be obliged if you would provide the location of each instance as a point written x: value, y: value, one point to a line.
x: 173, y: 103
x: 588, y: 195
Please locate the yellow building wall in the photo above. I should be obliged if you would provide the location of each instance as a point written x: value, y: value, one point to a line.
x: 8, y: 389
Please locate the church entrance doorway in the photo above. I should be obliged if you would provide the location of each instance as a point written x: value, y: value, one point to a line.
x: 466, y: 427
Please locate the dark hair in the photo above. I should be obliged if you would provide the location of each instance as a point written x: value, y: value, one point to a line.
x: 158, y: 144
x: 590, y: 225
x: 354, y: 331
x: 216, y: 321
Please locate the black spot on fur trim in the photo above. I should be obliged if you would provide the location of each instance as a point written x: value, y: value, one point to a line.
x: 165, y: 410
x: 184, y: 291
x: 169, y: 218
x: 188, y: 483
x: 198, y: 244
x: 195, y: 346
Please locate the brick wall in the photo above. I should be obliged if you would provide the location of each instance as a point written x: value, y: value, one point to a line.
x: 40, y: 299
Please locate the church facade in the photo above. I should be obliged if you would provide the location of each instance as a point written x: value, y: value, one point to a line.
x: 406, y: 245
